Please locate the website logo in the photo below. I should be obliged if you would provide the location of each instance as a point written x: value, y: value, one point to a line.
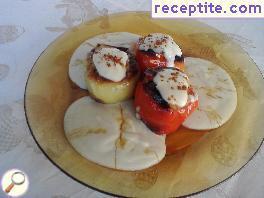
x: 207, y: 9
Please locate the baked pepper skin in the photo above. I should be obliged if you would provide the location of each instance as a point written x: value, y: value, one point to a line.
x: 157, y: 114
x: 150, y: 59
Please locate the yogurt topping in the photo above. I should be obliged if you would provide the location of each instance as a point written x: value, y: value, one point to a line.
x: 162, y: 44
x: 173, y: 86
x: 111, y: 63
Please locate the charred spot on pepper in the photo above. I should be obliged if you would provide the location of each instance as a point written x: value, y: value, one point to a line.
x: 149, y: 52
x: 179, y: 58
x: 150, y: 88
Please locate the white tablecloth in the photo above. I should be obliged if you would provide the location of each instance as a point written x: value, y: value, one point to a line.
x: 26, y: 28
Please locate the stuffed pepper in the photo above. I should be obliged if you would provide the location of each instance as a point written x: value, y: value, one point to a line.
x: 164, y: 99
x: 158, y: 50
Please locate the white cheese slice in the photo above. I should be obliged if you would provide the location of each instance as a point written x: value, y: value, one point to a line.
x: 111, y: 135
x: 78, y: 62
x: 216, y: 91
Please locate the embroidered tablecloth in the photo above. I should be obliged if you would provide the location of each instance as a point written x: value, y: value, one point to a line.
x: 26, y: 28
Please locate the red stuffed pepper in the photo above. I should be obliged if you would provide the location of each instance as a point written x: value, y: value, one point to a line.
x: 164, y: 99
x: 158, y: 50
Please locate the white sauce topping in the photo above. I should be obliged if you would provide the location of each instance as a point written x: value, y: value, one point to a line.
x: 173, y: 86
x: 110, y: 63
x: 161, y: 44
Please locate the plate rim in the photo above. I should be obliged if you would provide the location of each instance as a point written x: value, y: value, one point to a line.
x: 95, y: 188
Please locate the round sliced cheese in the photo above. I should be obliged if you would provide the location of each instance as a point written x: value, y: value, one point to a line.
x: 216, y: 91
x: 111, y: 136
x: 78, y: 62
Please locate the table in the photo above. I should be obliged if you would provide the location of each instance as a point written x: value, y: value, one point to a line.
x: 26, y: 28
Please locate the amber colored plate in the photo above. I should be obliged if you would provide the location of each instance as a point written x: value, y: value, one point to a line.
x: 181, y: 139
x: 215, y: 157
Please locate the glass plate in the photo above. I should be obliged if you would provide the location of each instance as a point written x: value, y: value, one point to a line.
x: 215, y: 157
